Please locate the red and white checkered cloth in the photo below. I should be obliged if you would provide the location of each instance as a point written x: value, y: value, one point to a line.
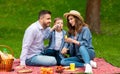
x: 103, y: 67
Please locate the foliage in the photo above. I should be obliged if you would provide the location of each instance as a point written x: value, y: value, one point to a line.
x: 17, y: 15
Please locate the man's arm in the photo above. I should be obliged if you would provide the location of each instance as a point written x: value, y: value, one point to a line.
x: 27, y: 41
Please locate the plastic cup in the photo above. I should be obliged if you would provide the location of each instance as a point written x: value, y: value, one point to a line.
x: 72, y: 66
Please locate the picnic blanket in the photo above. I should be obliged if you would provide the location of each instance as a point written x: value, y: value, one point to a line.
x: 103, y: 67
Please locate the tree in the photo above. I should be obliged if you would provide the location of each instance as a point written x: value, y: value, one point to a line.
x: 93, y: 15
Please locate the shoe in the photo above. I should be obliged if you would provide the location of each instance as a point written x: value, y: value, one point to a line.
x: 93, y: 64
x: 88, y: 69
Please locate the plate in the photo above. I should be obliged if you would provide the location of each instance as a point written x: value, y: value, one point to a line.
x: 76, y: 69
x: 66, y: 67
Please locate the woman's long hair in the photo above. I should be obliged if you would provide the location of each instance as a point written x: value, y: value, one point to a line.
x: 78, y: 26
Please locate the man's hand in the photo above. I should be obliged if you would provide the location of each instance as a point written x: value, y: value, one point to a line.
x: 64, y: 51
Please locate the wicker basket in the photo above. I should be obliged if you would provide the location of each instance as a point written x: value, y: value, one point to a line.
x: 6, y: 64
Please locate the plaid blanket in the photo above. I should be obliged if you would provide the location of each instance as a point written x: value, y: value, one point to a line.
x: 103, y: 67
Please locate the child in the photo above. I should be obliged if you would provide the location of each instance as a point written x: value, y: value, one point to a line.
x: 56, y: 42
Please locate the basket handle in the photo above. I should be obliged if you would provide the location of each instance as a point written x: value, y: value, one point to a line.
x: 9, y: 48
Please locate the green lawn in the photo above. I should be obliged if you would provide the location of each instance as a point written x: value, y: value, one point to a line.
x: 17, y: 15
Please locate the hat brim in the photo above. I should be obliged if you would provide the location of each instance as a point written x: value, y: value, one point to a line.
x: 67, y: 14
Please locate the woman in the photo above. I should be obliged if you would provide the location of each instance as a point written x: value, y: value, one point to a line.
x: 79, y: 43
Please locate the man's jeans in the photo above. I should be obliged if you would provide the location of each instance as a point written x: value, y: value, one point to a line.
x: 80, y: 60
x: 41, y: 60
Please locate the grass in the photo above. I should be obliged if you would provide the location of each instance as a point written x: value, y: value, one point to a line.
x: 17, y: 15
x: 107, y: 43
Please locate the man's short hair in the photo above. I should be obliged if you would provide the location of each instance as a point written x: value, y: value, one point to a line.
x: 43, y: 12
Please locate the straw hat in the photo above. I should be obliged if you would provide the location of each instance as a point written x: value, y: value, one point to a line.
x: 74, y: 13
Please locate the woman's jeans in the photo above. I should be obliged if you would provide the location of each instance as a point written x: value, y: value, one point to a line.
x: 54, y: 53
x: 80, y: 60
x: 41, y: 60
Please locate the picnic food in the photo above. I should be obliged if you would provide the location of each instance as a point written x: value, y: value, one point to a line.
x: 66, y: 67
x: 46, y: 70
x: 19, y: 67
x: 65, y: 36
x: 7, y: 58
x: 59, y: 69
x: 25, y: 71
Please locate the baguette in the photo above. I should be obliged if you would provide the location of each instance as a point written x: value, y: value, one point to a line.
x: 25, y: 71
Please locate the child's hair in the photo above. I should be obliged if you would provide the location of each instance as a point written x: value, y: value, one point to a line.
x: 58, y: 18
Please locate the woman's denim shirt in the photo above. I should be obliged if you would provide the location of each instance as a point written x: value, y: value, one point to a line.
x: 84, y: 38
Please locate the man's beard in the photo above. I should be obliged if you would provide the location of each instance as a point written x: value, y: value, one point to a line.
x: 46, y: 25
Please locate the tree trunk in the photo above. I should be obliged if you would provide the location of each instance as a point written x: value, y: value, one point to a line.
x: 93, y: 15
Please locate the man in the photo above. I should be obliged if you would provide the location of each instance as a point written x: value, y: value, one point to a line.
x: 33, y: 42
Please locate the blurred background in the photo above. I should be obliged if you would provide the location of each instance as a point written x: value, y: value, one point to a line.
x: 17, y: 15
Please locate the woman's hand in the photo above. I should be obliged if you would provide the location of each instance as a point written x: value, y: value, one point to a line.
x: 64, y: 51
x: 69, y: 40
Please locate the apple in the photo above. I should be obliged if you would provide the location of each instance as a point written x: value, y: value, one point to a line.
x: 59, y: 69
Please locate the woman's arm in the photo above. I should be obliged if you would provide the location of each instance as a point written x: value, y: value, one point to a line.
x: 76, y: 42
x: 70, y: 40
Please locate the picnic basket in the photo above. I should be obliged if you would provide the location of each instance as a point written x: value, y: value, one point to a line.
x: 6, y: 64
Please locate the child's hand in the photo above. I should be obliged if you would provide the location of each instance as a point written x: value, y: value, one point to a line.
x: 54, y: 27
x: 64, y: 51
